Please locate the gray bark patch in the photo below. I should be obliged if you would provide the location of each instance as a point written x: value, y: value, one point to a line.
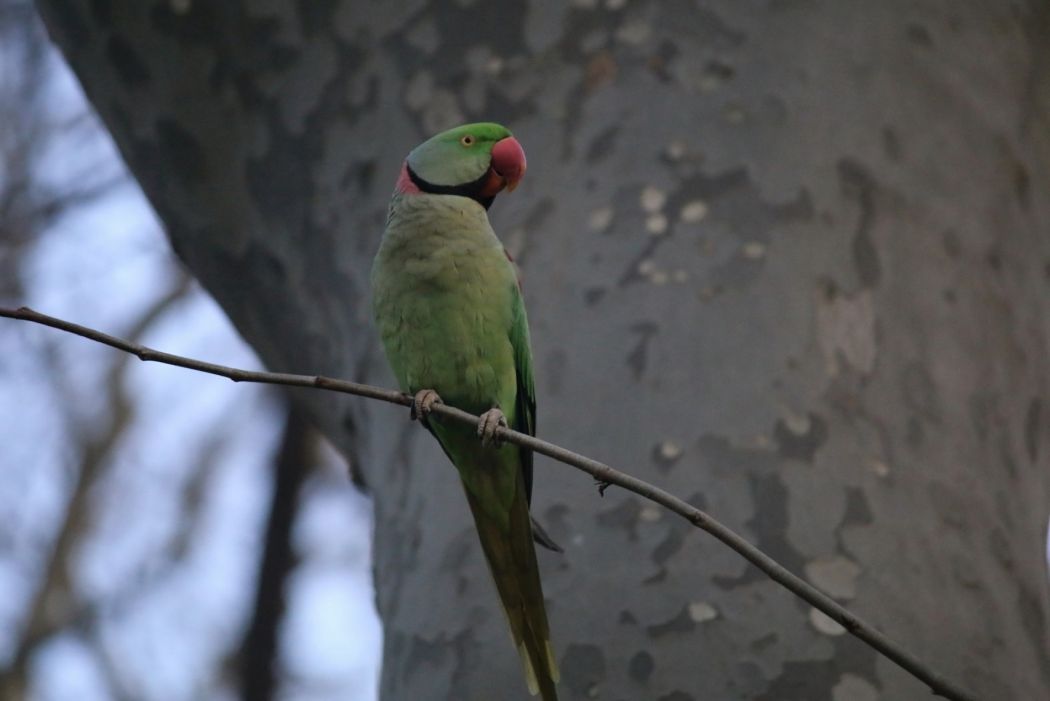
x: 858, y: 184
x: 181, y: 152
x: 582, y: 669
x: 800, y: 442
x: 858, y: 512
x: 602, y: 145
x: 677, y: 696
x: 127, y: 63
x: 623, y: 516
x: 641, y: 666
x: 638, y: 359
x: 846, y: 331
x: 1032, y: 425
x: 680, y: 623
x: 800, y: 681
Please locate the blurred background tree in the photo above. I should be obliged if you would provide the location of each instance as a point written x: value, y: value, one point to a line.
x: 788, y: 259
x: 150, y: 546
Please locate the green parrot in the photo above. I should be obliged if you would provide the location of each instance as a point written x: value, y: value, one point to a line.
x: 448, y: 304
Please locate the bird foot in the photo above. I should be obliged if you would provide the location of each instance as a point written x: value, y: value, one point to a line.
x: 423, y: 403
x: 487, y: 425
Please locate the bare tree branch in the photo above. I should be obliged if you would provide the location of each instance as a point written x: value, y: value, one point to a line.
x: 601, y: 472
x: 108, y: 664
x: 259, y: 653
x: 88, y: 618
x: 51, y: 605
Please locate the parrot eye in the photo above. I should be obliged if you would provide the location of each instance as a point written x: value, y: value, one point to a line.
x: 467, y: 140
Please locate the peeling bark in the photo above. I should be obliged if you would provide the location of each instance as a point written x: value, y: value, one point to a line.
x: 789, y: 258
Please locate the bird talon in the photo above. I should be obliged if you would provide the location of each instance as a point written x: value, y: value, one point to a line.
x: 423, y: 403
x: 488, y: 423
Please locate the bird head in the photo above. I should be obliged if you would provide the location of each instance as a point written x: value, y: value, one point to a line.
x: 474, y: 160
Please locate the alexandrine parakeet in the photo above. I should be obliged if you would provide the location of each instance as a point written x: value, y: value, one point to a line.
x: 450, y: 314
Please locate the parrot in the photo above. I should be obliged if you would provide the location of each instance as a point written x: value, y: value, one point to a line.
x: 448, y: 305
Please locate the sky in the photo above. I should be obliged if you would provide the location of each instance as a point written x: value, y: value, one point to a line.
x: 164, y: 575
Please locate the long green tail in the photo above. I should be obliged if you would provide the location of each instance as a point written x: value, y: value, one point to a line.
x: 512, y: 561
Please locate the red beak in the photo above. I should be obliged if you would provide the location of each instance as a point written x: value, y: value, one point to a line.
x: 508, y: 161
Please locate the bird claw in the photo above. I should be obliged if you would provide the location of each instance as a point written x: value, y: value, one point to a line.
x: 423, y: 403
x: 487, y: 425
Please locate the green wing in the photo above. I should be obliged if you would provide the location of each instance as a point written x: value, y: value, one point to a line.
x: 525, y: 409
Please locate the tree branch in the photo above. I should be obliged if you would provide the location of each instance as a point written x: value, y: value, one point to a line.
x: 259, y: 662
x: 53, y: 592
x: 601, y: 472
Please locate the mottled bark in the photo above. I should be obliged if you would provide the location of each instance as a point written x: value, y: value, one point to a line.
x: 788, y: 259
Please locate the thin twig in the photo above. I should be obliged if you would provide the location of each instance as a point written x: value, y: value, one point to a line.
x: 601, y: 472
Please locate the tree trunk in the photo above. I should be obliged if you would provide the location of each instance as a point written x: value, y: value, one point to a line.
x: 789, y: 261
